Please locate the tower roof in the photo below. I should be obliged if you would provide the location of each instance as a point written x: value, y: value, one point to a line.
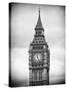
x: 39, y: 23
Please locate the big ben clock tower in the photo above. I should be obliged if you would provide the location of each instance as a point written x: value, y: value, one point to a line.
x: 39, y: 57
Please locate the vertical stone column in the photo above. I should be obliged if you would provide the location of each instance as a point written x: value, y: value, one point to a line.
x: 44, y: 74
x: 48, y: 76
x: 30, y: 75
x: 38, y: 75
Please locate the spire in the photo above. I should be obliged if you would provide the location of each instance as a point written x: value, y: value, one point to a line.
x: 39, y: 10
x: 39, y: 24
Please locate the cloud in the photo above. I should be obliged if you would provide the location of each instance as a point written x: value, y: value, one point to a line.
x: 19, y: 64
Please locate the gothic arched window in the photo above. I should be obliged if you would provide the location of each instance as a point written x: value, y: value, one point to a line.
x: 35, y: 75
x: 40, y: 75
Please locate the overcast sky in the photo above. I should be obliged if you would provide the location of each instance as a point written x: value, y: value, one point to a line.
x: 23, y: 21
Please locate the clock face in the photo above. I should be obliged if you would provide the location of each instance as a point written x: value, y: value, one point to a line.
x: 37, y: 57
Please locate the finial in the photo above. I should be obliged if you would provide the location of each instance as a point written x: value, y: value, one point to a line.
x: 39, y: 10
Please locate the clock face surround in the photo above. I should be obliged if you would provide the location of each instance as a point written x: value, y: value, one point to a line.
x: 37, y: 57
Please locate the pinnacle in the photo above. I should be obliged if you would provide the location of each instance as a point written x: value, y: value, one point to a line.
x: 39, y: 23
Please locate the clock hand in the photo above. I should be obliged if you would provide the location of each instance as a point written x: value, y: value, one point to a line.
x: 37, y: 57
